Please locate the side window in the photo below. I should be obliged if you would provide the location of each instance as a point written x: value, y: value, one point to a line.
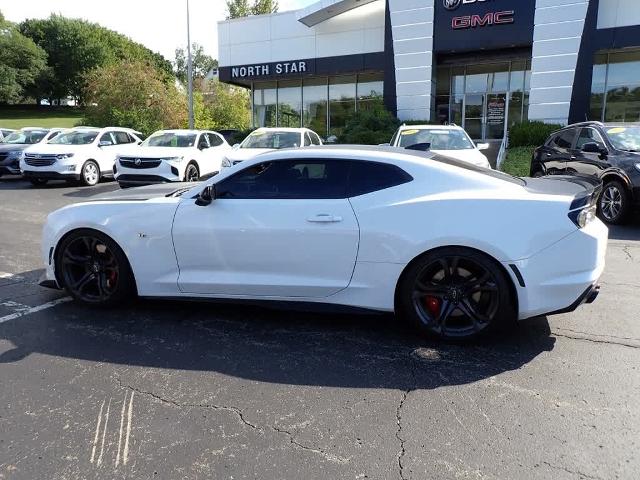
x: 307, y: 139
x: 367, y: 177
x: 214, y: 140
x: 315, y: 139
x: 290, y: 179
x: 107, y: 137
x: 202, y: 142
x: 564, y: 140
x: 121, y: 138
x: 588, y: 135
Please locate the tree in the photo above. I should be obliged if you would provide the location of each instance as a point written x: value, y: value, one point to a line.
x: 21, y: 63
x: 242, y: 8
x: 130, y: 93
x: 75, y: 47
x: 229, y: 106
x: 202, y: 63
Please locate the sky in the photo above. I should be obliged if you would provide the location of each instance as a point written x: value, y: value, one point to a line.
x: 160, y: 25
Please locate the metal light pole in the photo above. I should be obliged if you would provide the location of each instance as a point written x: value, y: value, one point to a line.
x: 189, y: 70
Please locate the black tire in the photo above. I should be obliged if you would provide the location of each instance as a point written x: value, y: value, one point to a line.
x: 93, y: 269
x: 38, y: 182
x: 614, y: 203
x: 473, y: 299
x: 90, y: 173
x: 538, y: 174
x: 192, y: 172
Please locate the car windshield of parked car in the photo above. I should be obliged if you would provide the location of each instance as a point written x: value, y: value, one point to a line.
x: 625, y: 138
x: 26, y: 137
x: 440, y: 139
x: 171, y: 139
x: 275, y: 140
x: 84, y: 137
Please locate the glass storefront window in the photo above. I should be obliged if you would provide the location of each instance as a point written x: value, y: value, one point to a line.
x: 442, y: 109
x: 370, y: 90
x: 342, y: 102
x: 264, y: 104
x: 289, y: 103
x: 615, y: 88
x: 314, y: 95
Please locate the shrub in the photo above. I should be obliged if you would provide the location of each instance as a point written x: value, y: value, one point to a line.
x: 531, y: 133
x: 370, y: 127
x: 518, y: 161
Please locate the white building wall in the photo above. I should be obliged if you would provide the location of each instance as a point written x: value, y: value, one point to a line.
x: 412, y: 30
x: 281, y: 37
x: 618, y: 13
x: 556, y: 43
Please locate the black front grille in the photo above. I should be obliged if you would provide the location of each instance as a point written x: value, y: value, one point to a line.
x: 132, y: 162
x: 39, y: 162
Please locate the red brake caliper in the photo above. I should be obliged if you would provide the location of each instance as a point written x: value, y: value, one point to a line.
x: 432, y: 304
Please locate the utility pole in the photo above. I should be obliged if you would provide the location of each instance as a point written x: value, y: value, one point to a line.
x: 189, y: 70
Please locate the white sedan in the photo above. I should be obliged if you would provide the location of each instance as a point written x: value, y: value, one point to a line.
x: 449, y: 140
x: 172, y: 156
x: 447, y: 245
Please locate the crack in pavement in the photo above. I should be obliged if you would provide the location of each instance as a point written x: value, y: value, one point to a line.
x: 405, y: 394
x: 572, y: 472
x: 588, y: 338
x: 240, y: 416
x: 626, y: 251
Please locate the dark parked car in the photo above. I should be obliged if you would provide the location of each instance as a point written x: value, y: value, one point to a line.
x: 608, y: 151
x: 16, y: 142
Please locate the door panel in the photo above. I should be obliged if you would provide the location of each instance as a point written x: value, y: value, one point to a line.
x: 586, y: 163
x: 266, y: 247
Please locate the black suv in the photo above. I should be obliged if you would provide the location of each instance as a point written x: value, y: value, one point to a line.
x: 608, y: 151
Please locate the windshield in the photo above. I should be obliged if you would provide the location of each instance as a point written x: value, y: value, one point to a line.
x: 170, y: 139
x: 26, y: 137
x: 84, y: 137
x: 276, y: 140
x: 625, y: 138
x: 440, y: 139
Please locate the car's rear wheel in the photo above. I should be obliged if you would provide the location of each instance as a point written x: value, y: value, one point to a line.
x: 538, y: 174
x: 614, y: 203
x: 90, y: 173
x: 38, y: 182
x: 456, y: 293
x: 94, y: 269
x: 191, y: 174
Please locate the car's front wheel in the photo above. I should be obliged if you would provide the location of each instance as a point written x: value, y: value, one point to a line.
x: 90, y: 173
x: 191, y: 174
x: 94, y: 269
x: 456, y: 293
x: 614, y: 203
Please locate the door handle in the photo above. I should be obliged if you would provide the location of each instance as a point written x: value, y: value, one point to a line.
x: 573, y: 157
x: 324, y: 218
x: 548, y: 154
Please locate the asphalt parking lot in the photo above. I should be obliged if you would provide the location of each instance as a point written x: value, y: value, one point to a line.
x: 184, y: 390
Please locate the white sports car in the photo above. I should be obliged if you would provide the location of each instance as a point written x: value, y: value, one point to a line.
x: 457, y: 249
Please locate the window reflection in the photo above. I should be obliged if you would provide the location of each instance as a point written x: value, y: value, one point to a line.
x: 370, y: 91
x: 264, y: 105
x: 289, y: 103
x: 342, y: 102
x: 314, y: 94
x: 615, y: 87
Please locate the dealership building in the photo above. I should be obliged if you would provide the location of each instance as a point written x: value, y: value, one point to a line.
x: 481, y: 64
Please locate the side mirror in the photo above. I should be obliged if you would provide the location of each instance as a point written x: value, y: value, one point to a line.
x: 593, y: 147
x: 236, y: 146
x: 206, y: 196
x: 105, y: 143
x: 203, y: 147
x: 483, y: 146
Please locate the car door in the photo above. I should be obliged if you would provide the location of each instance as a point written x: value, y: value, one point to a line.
x: 218, y: 147
x: 275, y: 229
x: 107, y: 151
x: 587, y: 163
x: 557, y: 152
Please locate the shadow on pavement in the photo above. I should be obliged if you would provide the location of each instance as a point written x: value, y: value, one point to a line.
x: 630, y: 231
x: 269, y: 345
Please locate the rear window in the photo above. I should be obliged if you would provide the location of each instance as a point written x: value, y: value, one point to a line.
x: 366, y: 177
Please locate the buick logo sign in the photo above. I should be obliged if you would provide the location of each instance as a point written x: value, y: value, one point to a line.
x: 138, y: 162
x: 452, y: 4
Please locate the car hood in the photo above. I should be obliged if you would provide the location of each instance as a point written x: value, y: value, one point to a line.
x: 142, y: 193
x: 472, y: 156
x: 154, y: 152
x: 240, y: 154
x: 13, y: 147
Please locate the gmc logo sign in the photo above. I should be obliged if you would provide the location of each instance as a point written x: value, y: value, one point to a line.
x: 491, y: 18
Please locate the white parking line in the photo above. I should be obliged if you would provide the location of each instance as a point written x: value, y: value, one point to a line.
x: 31, y: 310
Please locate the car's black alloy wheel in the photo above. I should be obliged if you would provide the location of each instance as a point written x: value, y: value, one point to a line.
x: 191, y: 174
x: 93, y: 269
x: 614, y: 203
x: 456, y: 293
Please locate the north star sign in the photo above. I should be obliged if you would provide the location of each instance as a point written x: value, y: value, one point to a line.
x: 267, y: 69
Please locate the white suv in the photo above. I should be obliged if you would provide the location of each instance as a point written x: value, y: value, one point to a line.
x: 267, y: 139
x: 447, y: 140
x: 82, y: 154
x: 172, y: 156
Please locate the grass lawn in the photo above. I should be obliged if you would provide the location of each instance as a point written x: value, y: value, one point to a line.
x: 39, y: 117
x: 518, y: 161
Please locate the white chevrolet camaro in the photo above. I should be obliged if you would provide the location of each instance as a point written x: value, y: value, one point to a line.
x: 454, y: 248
